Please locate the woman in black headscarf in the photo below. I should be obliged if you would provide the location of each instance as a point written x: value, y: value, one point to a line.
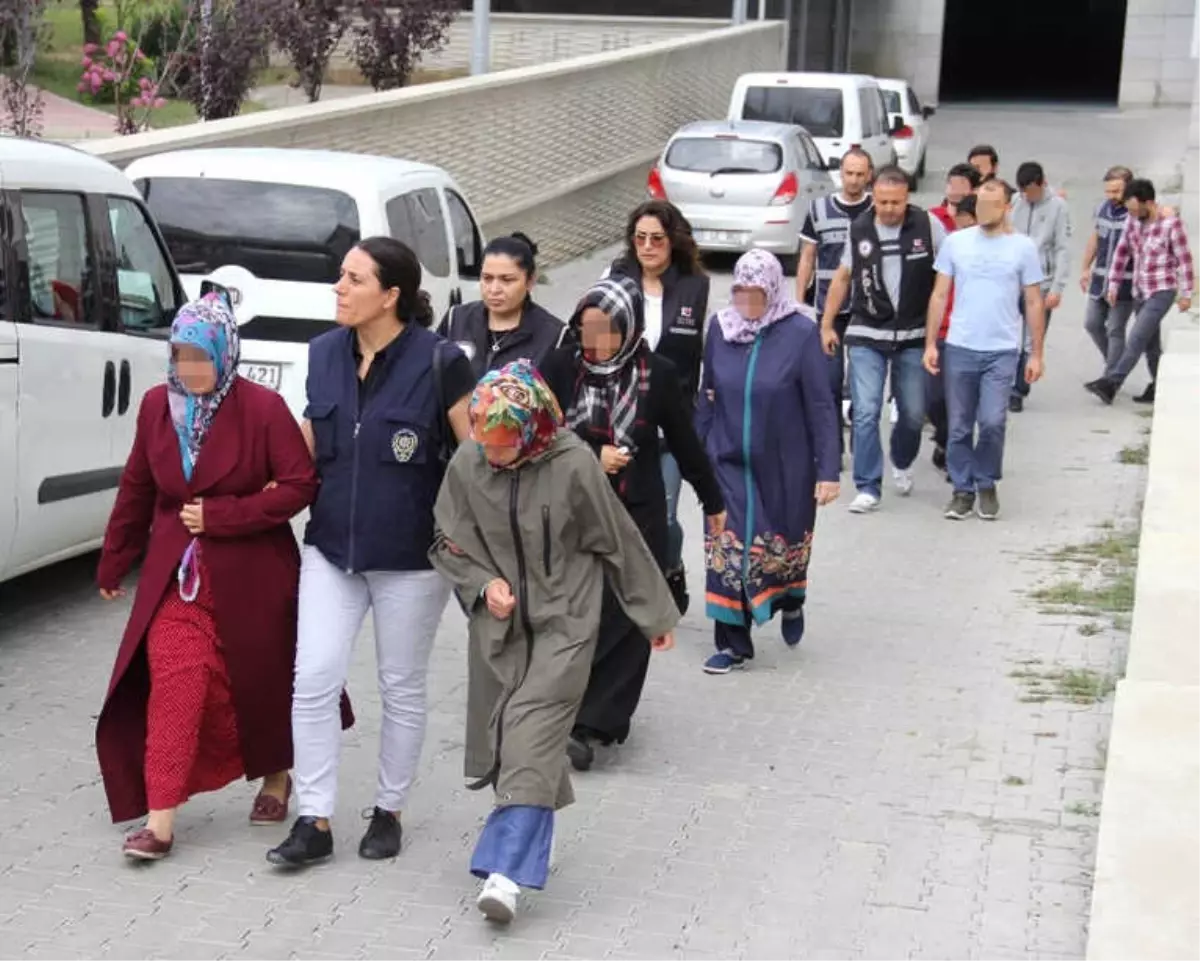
x: 618, y: 395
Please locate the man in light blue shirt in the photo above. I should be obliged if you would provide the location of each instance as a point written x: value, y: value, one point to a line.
x: 992, y: 269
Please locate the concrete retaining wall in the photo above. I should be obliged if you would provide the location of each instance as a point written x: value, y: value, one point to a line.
x: 560, y: 150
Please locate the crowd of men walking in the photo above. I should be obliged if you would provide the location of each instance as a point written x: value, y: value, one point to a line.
x: 533, y: 468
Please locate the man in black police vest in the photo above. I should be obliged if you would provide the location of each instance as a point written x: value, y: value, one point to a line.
x: 888, y: 266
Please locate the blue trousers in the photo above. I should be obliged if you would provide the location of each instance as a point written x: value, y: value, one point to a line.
x: 977, y: 390
x: 868, y: 377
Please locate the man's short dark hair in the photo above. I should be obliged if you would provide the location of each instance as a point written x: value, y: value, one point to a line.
x: 997, y: 184
x: 861, y: 154
x: 967, y: 172
x: 1139, y: 189
x: 984, y: 150
x: 891, y: 174
x: 966, y: 206
x: 1030, y: 174
x: 1118, y: 173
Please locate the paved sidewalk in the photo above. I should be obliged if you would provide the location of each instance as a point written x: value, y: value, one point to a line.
x: 883, y: 791
x: 68, y: 120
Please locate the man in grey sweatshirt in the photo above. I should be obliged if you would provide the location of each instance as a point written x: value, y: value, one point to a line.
x: 1039, y: 212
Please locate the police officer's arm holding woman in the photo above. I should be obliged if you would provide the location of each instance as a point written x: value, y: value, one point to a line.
x: 505, y: 325
x: 384, y: 393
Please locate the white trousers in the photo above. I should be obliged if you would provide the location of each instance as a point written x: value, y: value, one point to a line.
x: 407, y: 607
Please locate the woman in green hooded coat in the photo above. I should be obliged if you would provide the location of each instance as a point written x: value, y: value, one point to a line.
x: 528, y: 529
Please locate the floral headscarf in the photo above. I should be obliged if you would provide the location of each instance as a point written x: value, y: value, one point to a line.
x: 513, y: 407
x: 210, y: 325
x: 761, y: 269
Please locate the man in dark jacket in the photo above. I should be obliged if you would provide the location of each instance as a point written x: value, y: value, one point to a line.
x: 887, y: 268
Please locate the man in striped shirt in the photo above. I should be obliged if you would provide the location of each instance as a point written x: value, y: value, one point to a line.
x: 1162, y: 272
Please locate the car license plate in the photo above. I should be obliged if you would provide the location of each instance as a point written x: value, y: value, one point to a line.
x: 718, y: 236
x: 269, y: 375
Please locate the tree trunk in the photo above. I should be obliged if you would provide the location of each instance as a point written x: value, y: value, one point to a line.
x: 91, y: 20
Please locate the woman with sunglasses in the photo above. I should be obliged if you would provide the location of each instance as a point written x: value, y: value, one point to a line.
x: 661, y: 258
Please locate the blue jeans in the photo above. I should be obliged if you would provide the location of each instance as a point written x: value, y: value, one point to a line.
x: 977, y: 390
x: 673, y: 482
x: 868, y: 376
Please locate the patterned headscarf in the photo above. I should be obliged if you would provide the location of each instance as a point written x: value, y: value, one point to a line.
x: 609, y: 393
x: 210, y: 325
x: 513, y: 407
x: 760, y: 269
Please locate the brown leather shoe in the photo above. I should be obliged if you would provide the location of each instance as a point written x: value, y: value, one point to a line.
x: 271, y: 810
x: 144, y: 846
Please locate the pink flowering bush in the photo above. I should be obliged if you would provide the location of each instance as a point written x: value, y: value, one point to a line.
x: 118, y: 73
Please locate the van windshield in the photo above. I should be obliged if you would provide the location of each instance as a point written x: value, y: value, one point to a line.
x: 275, y: 231
x: 817, y: 109
x: 709, y: 155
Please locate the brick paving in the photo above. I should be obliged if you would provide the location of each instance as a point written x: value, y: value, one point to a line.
x: 883, y: 791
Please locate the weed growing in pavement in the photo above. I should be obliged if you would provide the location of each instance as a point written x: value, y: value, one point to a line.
x: 1087, y: 809
x: 1077, y: 685
x: 1147, y: 414
x: 1090, y: 629
x: 1013, y: 781
x: 1107, y: 569
x: 1134, y: 455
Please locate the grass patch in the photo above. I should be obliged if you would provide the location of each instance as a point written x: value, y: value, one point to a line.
x: 1090, y: 629
x: 1013, y: 781
x: 1074, y: 685
x: 1087, y: 809
x: 1134, y: 455
x: 1147, y: 414
x: 1102, y: 581
x: 1045, y: 733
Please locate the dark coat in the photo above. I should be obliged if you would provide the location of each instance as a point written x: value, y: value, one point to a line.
x: 538, y: 334
x: 249, y: 556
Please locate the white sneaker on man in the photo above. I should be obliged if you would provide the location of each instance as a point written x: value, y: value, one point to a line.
x: 864, y: 503
x: 498, y: 899
x: 903, y: 479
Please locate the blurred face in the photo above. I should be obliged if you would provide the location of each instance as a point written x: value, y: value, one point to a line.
x: 890, y: 203
x: 1033, y: 192
x: 600, y: 337
x: 501, y: 454
x: 1114, y: 190
x: 503, y: 284
x: 751, y: 302
x: 196, y: 370
x: 983, y: 163
x: 856, y: 172
x: 962, y: 221
x: 360, y: 297
x: 991, y: 206
x: 957, y: 188
x: 652, y: 244
x: 1138, y: 208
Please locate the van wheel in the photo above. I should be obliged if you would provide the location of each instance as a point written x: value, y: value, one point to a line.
x: 921, y: 168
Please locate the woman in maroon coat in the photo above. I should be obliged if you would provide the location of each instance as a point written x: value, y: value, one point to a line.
x: 202, y: 687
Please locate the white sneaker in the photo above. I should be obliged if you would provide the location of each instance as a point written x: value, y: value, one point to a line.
x: 498, y: 899
x: 894, y: 412
x: 903, y: 479
x: 864, y: 503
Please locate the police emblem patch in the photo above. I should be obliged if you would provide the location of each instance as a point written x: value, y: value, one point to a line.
x: 404, y: 444
x: 864, y: 248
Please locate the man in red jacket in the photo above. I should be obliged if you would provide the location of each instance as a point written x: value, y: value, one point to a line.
x: 961, y: 183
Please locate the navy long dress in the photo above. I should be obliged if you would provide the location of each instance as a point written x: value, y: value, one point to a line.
x: 770, y: 427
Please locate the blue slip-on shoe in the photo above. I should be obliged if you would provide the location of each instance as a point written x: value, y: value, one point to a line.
x: 723, y: 662
x: 793, y: 627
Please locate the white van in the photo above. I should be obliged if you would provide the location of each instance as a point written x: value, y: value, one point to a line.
x: 273, y: 224
x: 839, y: 110
x: 87, y: 296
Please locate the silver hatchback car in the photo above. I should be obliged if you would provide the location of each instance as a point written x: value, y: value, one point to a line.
x: 742, y: 183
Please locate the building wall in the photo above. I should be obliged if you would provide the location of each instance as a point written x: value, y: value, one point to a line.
x: 1158, y: 66
x: 899, y: 38
x: 579, y: 135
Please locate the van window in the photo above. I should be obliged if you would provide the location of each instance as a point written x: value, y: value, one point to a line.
x: 891, y: 101
x: 708, y: 155
x: 914, y: 105
x: 60, y: 269
x: 468, y: 248
x: 275, y: 231
x: 415, y: 218
x: 869, y: 106
x: 144, y: 279
x: 817, y: 109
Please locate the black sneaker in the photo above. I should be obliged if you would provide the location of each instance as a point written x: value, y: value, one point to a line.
x: 382, y: 839
x: 1103, y: 389
x: 988, y: 508
x: 939, y: 458
x: 1016, y: 404
x: 960, y: 506
x: 677, y: 582
x: 1146, y: 396
x: 307, y: 844
x: 580, y: 752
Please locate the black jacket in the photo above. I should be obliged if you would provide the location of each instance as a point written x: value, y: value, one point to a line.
x: 538, y: 334
x: 685, y: 311
x: 640, y: 484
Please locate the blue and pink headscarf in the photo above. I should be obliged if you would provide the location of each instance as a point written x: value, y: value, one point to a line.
x: 209, y: 324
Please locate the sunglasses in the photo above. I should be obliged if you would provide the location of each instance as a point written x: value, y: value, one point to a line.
x: 649, y: 240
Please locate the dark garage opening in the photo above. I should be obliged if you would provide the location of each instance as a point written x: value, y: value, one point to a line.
x: 1059, y: 50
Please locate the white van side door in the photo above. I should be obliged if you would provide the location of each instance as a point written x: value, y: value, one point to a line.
x: 8, y: 429
x: 148, y: 299
x: 67, y: 381
x: 416, y: 217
